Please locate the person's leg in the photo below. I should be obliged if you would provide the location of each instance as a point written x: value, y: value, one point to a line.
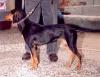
x: 47, y: 12
x: 27, y: 55
x: 55, y: 9
x: 52, y: 49
x: 29, y: 5
x: 50, y: 17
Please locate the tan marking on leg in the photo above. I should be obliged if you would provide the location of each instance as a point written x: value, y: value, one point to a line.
x: 70, y: 54
x: 78, y: 58
x: 34, y: 59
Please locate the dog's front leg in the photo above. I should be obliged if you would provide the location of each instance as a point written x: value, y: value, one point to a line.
x: 34, y: 57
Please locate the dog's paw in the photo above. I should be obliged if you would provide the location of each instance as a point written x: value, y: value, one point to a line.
x: 68, y: 65
x: 78, y: 66
x: 33, y: 64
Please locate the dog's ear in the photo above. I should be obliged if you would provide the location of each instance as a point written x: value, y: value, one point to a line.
x: 18, y: 15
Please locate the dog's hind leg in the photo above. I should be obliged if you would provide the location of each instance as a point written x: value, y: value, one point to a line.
x: 78, y: 55
x: 34, y: 57
x: 70, y: 55
x: 71, y: 39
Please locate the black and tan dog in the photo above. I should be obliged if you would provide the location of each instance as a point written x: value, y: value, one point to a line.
x: 36, y: 35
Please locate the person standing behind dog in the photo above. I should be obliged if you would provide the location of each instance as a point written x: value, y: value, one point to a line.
x: 49, y: 9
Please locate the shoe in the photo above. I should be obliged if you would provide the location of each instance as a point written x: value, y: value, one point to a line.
x: 53, y: 57
x: 26, y: 56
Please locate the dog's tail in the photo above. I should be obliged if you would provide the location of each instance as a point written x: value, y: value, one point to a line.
x: 83, y: 29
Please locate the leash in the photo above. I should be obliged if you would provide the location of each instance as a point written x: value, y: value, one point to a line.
x: 29, y: 14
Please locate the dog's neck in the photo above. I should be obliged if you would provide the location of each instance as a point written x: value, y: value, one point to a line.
x: 24, y: 26
x: 21, y: 26
x: 29, y: 23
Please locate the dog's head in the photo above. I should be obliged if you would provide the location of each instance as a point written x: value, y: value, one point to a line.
x: 18, y: 15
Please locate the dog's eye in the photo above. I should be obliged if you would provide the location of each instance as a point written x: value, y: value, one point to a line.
x: 17, y: 16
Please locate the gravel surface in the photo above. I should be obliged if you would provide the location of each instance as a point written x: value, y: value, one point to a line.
x: 11, y: 65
